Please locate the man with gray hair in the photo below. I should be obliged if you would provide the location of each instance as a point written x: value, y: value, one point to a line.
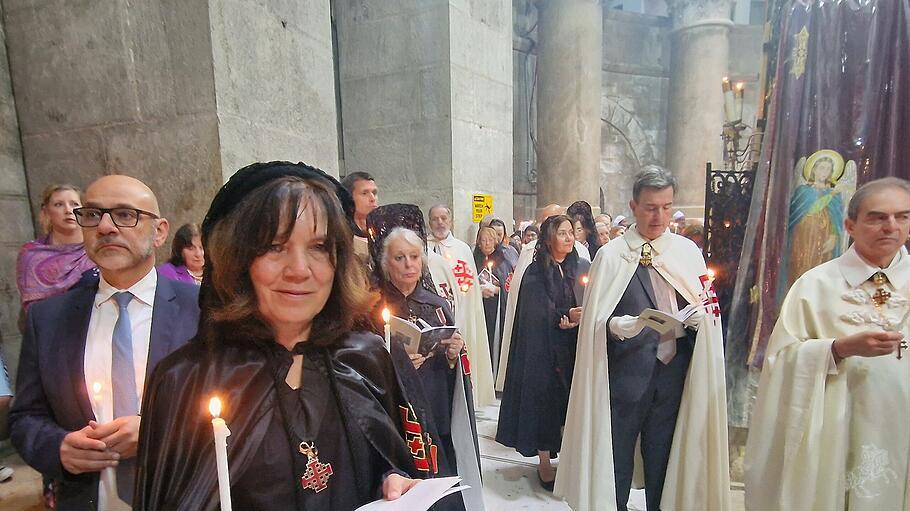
x: 649, y: 372
x: 829, y: 426
x: 469, y: 314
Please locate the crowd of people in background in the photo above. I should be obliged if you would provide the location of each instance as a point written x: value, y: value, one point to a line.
x: 294, y: 276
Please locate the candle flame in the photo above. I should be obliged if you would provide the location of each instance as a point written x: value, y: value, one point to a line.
x: 711, y: 273
x: 464, y: 288
x: 386, y: 315
x: 740, y: 86
x: 584, y: 280
x: 215, y: 407
x: 96, y: 387
x: 490, y: 265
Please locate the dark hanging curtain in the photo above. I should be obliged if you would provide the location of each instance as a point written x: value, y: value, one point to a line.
x: 839, y: 95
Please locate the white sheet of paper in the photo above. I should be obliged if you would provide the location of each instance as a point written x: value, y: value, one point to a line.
x: 419, y: 498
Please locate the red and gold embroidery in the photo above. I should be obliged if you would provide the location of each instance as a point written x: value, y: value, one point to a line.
x: 465, y: 362
x: 414, y: 438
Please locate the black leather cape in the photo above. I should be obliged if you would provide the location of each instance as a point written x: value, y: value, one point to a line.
x: 176, y: 456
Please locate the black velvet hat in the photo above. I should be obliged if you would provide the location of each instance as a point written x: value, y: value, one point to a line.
x: 248, y: 179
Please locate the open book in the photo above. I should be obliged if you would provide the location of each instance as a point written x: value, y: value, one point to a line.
x: 422, y: 339
x: 485, y: 276
x: 420, y: 497
x: 662, y: 322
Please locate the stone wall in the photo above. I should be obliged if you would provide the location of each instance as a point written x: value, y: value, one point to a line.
x: 396, y: 96
x: 16, y: 227
x: 481, y: 73
x: 635, y: 84
x: 426, y: 100
x: 111, y: 87
x: 274, y: 82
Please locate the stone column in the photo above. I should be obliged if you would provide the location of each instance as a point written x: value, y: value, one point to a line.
x: 570, y: 48
x: 699, y: 43
x: 17, y: 227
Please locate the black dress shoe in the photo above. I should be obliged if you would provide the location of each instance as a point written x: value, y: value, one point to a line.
x: 546, y: 485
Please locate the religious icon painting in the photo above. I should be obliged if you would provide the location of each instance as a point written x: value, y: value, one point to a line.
x: 823, y: 184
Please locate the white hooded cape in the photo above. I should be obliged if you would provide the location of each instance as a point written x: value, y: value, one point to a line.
x: 463, y: 435
x: 698, y: 475
x: 455, y: 265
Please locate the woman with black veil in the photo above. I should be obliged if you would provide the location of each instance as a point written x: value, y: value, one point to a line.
x: 583, y: 222
x: 437, y: 385
x: 542, y: 355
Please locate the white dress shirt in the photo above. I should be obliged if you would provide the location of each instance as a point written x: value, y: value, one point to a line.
x: 99, y: 356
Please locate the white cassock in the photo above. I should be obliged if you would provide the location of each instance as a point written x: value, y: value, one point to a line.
x: 828, y: 436
x: 698, y: 476
x: 524, y: 260
x: 452, y: 271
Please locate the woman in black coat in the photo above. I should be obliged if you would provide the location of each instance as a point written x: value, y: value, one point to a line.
x: 542, y: 355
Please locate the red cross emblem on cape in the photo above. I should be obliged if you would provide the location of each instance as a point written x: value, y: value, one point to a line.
x: 712, y: 306
x: 463, y: 275
x: 421, y: 445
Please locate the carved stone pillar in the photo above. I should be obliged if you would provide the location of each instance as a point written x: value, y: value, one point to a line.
x: 570, y: 49
x: 699, y: 44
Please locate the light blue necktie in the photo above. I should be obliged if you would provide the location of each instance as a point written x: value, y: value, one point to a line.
x: 123, y: 386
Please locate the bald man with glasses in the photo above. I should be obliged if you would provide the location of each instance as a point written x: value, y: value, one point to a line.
x: 86, y: 353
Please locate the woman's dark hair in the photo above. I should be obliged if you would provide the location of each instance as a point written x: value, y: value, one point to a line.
x: 581, y: 212
x: 531, y: 228
x: 543, y: 252
x: 267, y: 215
x: 183, y: 238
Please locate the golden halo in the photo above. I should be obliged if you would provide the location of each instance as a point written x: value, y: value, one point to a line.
x: 836, y: 173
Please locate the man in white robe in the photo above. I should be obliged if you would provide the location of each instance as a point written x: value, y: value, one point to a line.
x: 524, y: 260
x: 829, y: 430
x: 666, y: 391
x: 468, y: 304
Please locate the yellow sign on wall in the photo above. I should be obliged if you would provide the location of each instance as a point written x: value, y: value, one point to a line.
x: 482, y: 206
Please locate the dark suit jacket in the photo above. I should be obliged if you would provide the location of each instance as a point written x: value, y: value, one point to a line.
x: 51, y: 397
x: 632, y: 361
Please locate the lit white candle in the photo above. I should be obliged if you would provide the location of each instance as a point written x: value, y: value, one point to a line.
x: 98, y: 401
x: 738, y: 110
x: 728, y: 99
x: 221, y: 433
x: 386, y: 316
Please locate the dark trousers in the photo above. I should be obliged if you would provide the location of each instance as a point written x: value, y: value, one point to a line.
x: 654, y: 418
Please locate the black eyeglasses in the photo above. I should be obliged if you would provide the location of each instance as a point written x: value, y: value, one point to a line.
x: 122, y: 217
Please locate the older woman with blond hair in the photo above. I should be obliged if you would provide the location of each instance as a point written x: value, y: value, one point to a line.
x: 54, y: 262
x: 437, y: 383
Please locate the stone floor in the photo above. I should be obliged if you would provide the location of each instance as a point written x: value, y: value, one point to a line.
x: 510, y: 479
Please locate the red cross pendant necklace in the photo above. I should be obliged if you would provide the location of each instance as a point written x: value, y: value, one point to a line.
x: 317, y: 474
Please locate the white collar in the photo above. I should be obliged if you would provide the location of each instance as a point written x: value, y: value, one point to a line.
x: 144, y: 290
x: 449, y: 240
x: 856, y: 270
x: 635, y: 240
